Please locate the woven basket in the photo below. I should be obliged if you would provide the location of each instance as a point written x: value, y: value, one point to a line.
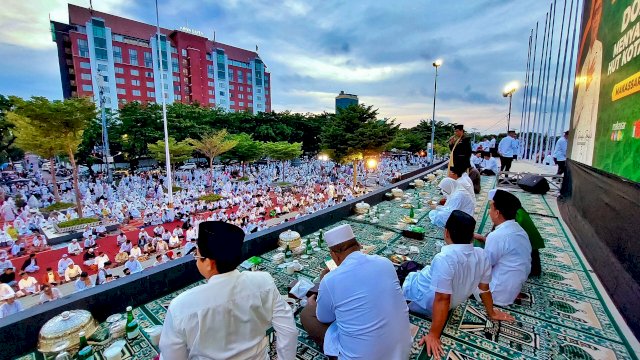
x: 362, y: 208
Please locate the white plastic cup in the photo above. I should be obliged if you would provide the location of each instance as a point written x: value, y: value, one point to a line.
x: 113, y: 353
x: 154, y: 334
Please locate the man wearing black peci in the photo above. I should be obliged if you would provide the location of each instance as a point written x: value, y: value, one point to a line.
x: 460, y: 146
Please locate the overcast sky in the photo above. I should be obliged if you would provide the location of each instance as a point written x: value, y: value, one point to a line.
x: 380, y: 50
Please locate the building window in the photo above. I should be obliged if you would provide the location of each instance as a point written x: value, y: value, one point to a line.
x: 241, y: 103
x: 248, y: 88
x: 119, y: 70
x: 83, y: 48
x: 85, y: 65
x: 241, y: 88
x: 259, y: 98
x: 259, y: 106
x: 212, y: 101
x: 85, y: 76
x: 121, y: 91
x: 231, y: 87
x: 222, y: 85
x: 176, y: 79
x: 119, y: 80
x: 133, y: 57
x: 87, y: 88
x: 266, y: 84
x: 148, y: 74
x: 258, y: 90
x: 184, y: 52
x: 174, y: 65
x: 249, y: 79
x: 232, y: 102
x: 209, y: 57
x: 149, y: 83
x: 230, y: 75
x: 102, y: 67
x: 135, y: 72
x: 222, y: 93
x: 249, y: 97
x: 177, y: 97
x: 117, y: 37
x: 148, y: 61
x: 222, y: 101
x: 176, y: 88
x: 230, y: 95
x: 151, y: 94
x: 135, y: 92
x: 250, y: 104
x: 210, y: 92
x: 240, y: 96
x: 135, y: 82
x: 210, y: 83
x: 266, y: 92
x: 117, y: 54
x: 173, y: 50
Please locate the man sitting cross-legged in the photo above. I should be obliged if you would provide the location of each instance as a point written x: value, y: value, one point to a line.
x: 455, y: 273
x: 360, y: 312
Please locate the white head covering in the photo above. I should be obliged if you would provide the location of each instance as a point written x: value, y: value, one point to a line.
x: 448, y: 185
x: 339, y: 234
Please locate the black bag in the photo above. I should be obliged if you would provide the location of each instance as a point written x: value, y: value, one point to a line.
x: 535, y: 184
x: 407, y: 267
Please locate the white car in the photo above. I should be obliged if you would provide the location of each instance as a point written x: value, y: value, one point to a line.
x: 46, y: 167
x: 188, y: 166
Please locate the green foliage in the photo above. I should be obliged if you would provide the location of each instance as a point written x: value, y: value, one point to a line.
x: 139, y: 125
x: 176, y: 188
x: 355, y: 132
x: 246, y: 149
x: 282, y: 150
x: 213, y: 144
x: 244, y: 178
x: 283, y: 183
x: 19, y: 200
x: 210, y: 198
x: 178, y: 151
x: 407, y: 140
x: 7, y: 148
x: 74, y: 222
x: 58, y: 206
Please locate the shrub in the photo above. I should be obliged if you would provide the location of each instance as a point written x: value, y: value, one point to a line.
x: 244, y: 178
x: 283, y: 183
x: 58, y: 206
x: 176, y: 188
x: 210, y: 197
x: 75, y: 222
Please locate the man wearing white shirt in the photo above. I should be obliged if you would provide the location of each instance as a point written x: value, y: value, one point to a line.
x: 228, y: 316
x: 10, y: 306
x: 188, y: 247
x: 133, y: 265
x: 462, y: 178
x: 84, y: 282
x: 488, y: 165
x: 74, y: 248
x: 27, y: 284
x: 101, y: 259
x: 459, y: 270
x: 63, y: 264
x: 72, y: 272
x: 560, y: 153
x: 508, y: 249
x: 507, y: 148
x: 360, y: 312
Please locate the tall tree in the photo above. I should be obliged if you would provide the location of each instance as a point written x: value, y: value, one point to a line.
x: 7, y: 149
x: 355, y: 132
x: 66, y: 121
x: 214, y: 144
x: 283, y: 151
x: 178, y: 151
x: 246, y: 149
x: 139, y: 125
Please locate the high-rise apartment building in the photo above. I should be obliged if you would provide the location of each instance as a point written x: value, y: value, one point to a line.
x: 98, y: 51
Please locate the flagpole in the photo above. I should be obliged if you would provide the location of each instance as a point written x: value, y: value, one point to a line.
x: 524, y: 97
x: 555, y: 81
x: 534, y: 124
x: 164, y: 113
x: 545, y: 98
x: 528, y: 135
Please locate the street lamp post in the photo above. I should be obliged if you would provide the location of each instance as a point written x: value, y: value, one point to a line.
x: 436, y: 64
x: 164, y: 113
x: 508, y: 92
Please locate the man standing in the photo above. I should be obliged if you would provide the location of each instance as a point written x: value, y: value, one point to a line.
x: 360, y: 312
x: 460, y: 146
x: 508, y: 249
x: 560, y: 153
x: 228, y: 316
x: 459, y: 270
x: 507, y: 148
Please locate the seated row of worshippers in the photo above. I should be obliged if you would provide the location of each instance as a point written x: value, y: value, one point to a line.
x: 361, y: 310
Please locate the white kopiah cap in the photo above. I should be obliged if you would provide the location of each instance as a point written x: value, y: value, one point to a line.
x: 339, y: 234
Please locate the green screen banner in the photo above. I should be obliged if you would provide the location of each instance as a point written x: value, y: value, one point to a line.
x: 605, y: 126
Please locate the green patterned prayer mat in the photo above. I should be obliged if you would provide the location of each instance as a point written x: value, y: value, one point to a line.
x: 560, y: 315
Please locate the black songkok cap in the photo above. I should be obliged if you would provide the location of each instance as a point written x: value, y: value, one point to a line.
x: 222, y: 242
x: 459, y: 127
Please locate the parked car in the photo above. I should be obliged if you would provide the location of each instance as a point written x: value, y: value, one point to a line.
x: 188, y: 166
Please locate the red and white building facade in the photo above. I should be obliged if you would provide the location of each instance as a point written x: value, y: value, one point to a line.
x: 102, y: 53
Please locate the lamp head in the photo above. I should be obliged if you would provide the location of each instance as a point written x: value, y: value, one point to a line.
x: 509, y: 89
x: 437, y: 63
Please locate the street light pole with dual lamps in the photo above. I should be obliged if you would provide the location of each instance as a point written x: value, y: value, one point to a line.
x: 436, y: 64
x: 508, y: 92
